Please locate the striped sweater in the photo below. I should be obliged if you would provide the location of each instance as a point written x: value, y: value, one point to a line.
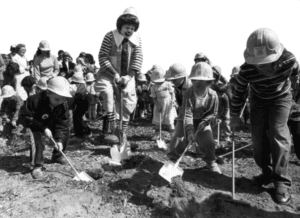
x: 104, y: 53
x: 266, y: 88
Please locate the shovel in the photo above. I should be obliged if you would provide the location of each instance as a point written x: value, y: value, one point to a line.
x: 82, y: 176
x: 219, y: 122
x: 119, y: 153
x: 170, y: 170
x: 161, y: 143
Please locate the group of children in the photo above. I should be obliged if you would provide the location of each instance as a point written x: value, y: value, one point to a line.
x: 190, y: 103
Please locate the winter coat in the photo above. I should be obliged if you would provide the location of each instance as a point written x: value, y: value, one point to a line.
x: 37, y: 114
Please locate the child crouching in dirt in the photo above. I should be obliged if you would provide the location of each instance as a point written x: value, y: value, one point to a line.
x: 200, y: 107
x: 162, y: 93
x: 46, y: 113
x: 10, y: 108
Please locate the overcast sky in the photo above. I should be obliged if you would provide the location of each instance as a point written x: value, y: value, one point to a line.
x: 171, y: 31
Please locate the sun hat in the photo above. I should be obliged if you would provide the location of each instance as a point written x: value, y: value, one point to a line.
x: 201, y: 71
x: 89, y: 77
x: 141, y: 77
x: 176, y: 71
x: 67, y: 55
x: 8, y: 91
x: 263, y: 47
x: 60, y: 86
x: 77, y: 78
x: 158, y: 74
x: 44, y: 45
x: 130, y: 10
x: 42, y: 83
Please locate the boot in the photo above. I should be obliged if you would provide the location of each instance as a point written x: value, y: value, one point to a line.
x: 112, y: 138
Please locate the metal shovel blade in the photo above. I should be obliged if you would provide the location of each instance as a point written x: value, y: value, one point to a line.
x: 170, y: 170
x: 118, y: 155
x: 83, y: 176
x: 161, y: 144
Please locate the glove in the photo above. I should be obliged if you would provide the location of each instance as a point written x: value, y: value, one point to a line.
x: 117, y: 78
x: 191, y: 138
x: 48, y: 133
x: 234, y: 122
x: 58, y: 146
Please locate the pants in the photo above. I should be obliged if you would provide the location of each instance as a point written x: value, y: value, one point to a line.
x: 81, y: 105
x: 271, y: 137
x: 37, y: 147
x: 92, y: 111
x: 204, y: 140
x: 295, y: 131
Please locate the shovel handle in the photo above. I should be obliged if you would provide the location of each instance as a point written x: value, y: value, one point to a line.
x: 233, y: 167
x: 234, y: 150
x: 185, y: 150
x: 65, y: 157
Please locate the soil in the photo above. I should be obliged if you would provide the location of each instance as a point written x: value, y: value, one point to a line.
x: 135, y: 189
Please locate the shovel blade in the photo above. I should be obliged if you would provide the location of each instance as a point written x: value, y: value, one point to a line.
x: 169, y: 170
x: 83, y: 176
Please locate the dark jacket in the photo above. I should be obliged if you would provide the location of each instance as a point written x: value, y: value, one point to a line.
x: 38, y: 115
x: 10, y: 107
x: 65, y: 71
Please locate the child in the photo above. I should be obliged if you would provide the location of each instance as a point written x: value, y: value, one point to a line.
x: 46, y: 113
x: 41, y: 85
x: 179, y: 77
x: 80, y: 105
x: 142, y: 94
x: 10, y: 108
x: 9, y: 74
x: 267, y: 72
x: 120, y: 58
x: 90, y: 80
x: 162, y: 93
x: 200, y: 107
x: 28, y: 83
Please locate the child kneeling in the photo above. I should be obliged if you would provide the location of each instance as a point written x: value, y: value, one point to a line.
x: 46, y: 113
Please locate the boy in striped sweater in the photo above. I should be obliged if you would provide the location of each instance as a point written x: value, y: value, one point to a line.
x: 120, y: 58
x: 267, y: 71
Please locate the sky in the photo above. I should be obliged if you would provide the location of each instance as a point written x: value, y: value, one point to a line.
x: 172, y: 31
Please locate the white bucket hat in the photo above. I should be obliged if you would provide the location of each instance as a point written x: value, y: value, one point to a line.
x: 44, y: 46
x: 89, y: 77
x: 42, y: 83
x: 59, y: 85
x: 77, y: 77
x: 158, y: 74
x: 8, y: 91
x: 130, y: 10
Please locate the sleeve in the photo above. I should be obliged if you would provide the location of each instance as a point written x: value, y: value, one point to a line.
x: 27, y: 113
x: 239, y: 95
x: 55, y: 67
x: 2, y: 65
x: 61, y: 125
x: 188, y: 116
x: 152, y: 92
x: 3, y: 108
x: 104, y: 52
x: 36, y: 69
x: 137, y: 57
x: 19, y: 104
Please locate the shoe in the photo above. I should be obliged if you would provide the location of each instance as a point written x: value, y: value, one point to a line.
x: 37, y: 173
x: 262, y: 180
x: 111, y: 139
x: 61, y: 160
x: 214, y: 167
x: 282, y: 195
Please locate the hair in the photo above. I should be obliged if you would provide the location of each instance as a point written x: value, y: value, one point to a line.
x: 128, y: 19
x: 19, y: 46
x: 28, y: 81
x: 39, y: 52
x: 60, y: 51
x: 13, y: 67
x: 90, y: 58
x: 82, y: 55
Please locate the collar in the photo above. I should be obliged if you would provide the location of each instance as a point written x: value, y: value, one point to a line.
x: 134, y: 38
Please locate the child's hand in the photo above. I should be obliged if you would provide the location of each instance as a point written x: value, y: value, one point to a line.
x: 14, y: 123
x: 201, y: 127
x: 48, y: 133
x: 58, y: 146
x: 191, y: 138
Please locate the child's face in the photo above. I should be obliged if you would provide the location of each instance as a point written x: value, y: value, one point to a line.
x: 177, y: 82
x: 55, y: 99
x: 127, y: 30
x: 200, y: 84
